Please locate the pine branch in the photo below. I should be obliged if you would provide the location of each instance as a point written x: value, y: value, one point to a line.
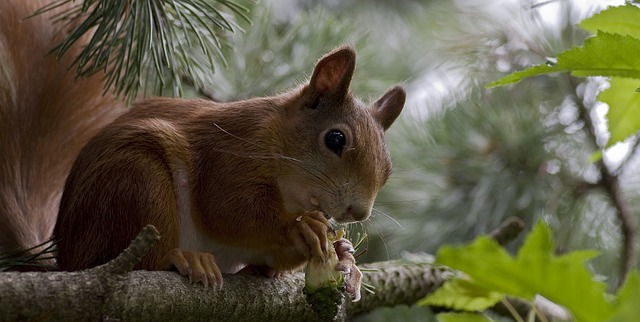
x: 38, y: 257
x: 136, y: 41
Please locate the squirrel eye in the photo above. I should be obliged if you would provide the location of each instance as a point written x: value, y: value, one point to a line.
x: 335, y: 140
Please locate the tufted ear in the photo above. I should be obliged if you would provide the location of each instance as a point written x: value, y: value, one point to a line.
x: 333, y: 72
x: 387, y: 108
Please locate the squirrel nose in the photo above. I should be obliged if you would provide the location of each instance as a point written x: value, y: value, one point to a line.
x: 355, y: 213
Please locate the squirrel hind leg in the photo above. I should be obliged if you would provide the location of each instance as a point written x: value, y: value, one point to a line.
x: 121, y: 197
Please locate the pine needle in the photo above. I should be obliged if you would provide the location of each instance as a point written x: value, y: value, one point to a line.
x: 139, y: 41
x: 19, y: 257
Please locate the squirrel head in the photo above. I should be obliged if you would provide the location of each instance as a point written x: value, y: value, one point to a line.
x: 338, y: 156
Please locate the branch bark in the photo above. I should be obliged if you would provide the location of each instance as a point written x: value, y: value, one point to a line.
x: 168, y: 296
x: 113, y: 292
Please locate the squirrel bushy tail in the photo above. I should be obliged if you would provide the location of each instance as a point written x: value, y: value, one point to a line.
x: 46, y: 117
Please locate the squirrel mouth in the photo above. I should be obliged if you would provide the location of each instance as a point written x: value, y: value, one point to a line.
x: 314, y: 201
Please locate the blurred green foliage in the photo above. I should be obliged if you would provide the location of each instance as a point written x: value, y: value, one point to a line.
x: 491, y: 275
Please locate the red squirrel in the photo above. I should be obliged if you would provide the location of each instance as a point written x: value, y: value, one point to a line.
x: 229, y: 186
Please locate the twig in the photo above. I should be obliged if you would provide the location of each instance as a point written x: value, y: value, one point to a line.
x: 610, y: 183
x: 133, y: 254
x: 508, y: 230
x: 512, y: 310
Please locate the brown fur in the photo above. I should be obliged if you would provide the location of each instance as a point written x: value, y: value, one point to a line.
x: 46, y: 116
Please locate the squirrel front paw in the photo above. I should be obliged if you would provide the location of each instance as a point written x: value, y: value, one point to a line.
x: 309, y: 234
x: 347, y: 265
x: 198, y: 266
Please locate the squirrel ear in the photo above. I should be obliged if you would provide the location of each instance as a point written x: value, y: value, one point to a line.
x: 387, y: 108
x: 333, y: 72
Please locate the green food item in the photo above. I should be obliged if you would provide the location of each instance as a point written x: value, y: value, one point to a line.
x: 323, y: 285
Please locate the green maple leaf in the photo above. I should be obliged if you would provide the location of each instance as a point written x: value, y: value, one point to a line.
x: 464, y: 295
x: 626, y: 305
x: 622, y: 20
x: 535, y: 270
x: 623, y: 99
x: 606, y: 54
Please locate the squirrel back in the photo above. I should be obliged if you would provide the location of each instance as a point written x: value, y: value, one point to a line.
x: 46, y: 117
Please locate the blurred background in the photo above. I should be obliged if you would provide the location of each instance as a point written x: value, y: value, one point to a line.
x: 465, y: 157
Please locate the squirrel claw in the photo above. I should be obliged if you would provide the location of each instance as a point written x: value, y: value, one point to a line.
x: 199, y: 267
x: 347, y: 265
x: 309, y: 234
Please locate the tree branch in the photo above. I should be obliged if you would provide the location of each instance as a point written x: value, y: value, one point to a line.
x: 609, y: 182
x: 161, y: 296
x: 508, y: 230
x: 113, y: 292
